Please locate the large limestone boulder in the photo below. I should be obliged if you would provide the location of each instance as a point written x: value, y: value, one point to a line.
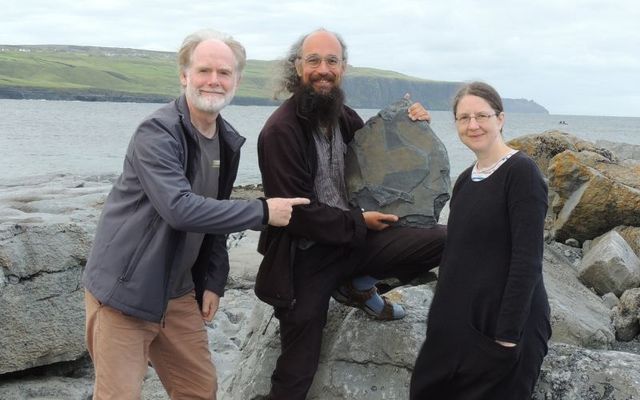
x: 610, y: 265
x: 595, y: 195
x: 398, y: 166
x: 626, y: 315
x: 544, y: 146
x: 571, y: 373
x: 578, y: 316
x: 354, y: 363
x: 45, y: 235
x: 41, y: 301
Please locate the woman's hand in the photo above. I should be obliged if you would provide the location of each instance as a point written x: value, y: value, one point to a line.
x: 505, y: 344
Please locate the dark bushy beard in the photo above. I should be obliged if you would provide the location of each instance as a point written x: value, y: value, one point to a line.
x: 322, y: 110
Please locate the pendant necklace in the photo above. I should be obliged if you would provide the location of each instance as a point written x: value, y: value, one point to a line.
x: 495, y: 165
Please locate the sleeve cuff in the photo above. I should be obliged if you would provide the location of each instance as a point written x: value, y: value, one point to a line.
x: 215, y: 287
x: 265, y: 211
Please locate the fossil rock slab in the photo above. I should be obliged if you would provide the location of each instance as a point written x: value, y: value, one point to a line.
x: 398, y: 166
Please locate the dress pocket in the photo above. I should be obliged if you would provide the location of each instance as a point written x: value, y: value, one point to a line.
x: 487, y: 360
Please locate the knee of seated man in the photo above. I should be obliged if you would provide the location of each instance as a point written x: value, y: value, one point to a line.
x: 436, y: 235
x: 441, y: 234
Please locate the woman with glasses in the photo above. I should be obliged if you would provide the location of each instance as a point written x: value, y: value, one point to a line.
x: 488, y: 325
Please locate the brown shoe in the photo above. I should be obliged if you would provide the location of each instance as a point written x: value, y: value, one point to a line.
x: 348, y: 295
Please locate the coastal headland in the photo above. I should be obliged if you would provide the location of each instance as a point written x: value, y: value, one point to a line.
x: 85, y: 73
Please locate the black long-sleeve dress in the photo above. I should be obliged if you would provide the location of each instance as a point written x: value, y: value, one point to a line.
x: 490, y: 287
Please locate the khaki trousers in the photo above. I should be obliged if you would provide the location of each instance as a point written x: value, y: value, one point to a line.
x: 120, y: 347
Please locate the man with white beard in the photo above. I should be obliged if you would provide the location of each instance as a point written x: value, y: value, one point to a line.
x: 159, y: 261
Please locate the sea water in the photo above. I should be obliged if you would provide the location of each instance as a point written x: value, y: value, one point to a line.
x: 45, y: 138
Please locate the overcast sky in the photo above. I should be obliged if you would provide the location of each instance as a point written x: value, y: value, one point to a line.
x: 572, y: 57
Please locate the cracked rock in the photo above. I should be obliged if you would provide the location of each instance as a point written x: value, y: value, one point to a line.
x: 354, y: 364
x: 398, y: 166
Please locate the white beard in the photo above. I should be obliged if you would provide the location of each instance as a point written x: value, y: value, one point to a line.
x: 207, y: 103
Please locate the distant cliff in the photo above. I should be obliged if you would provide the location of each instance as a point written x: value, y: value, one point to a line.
x: 129, y: 75
x: 375, y: 92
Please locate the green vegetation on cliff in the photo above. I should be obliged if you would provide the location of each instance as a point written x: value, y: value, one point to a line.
x: 116, y: 74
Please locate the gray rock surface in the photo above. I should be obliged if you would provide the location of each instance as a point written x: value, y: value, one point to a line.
x: 226, y: 333
x: 243, y: 265
x: 573, y: 373
x: 354, y: 364
x: 623, y: 151
x: 610, y: 300
x: 626, y: 315
x: 398, y: 166
x: 632, y: 235
x: 229, y: 330
x: 61, y: 214
x: 357, y: 365
x: 47, y: 388
x: 45, y: 237
x: 610, y: 265
x: 578, y: 316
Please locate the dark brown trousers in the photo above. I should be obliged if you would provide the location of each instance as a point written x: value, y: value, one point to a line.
x: 398, y: 252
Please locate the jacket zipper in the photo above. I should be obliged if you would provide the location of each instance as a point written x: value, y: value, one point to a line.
x: 131, y: 267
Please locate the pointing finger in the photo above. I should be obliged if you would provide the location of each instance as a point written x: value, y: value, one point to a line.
x: 296, y: 201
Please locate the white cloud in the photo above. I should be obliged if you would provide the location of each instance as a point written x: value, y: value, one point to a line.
x: 575, y: 57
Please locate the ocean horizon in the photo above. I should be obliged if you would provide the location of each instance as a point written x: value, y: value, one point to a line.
x: 42, y: 138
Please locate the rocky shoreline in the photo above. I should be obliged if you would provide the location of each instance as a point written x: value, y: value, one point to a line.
x: 48, y: 224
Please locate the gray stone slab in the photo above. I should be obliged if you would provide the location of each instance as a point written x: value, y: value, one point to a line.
x: 398, y: 166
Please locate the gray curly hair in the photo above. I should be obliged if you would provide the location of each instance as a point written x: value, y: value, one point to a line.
x: 289, y: 80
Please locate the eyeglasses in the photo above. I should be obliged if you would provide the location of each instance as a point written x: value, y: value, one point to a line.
x: 480, y: 118
x: 314, y: 61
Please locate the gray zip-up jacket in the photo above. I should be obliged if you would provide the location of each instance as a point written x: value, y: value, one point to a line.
x: 142, y: 229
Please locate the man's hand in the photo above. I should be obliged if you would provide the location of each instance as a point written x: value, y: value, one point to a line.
x: 280, y: 209
x: 210, y: 303
x: 417, y: 112
x: 378, y: 221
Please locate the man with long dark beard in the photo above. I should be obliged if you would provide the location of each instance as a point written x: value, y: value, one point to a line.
x: 329, y: 248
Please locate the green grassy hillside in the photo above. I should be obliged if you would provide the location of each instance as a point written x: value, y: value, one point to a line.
x: 117, y: 74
